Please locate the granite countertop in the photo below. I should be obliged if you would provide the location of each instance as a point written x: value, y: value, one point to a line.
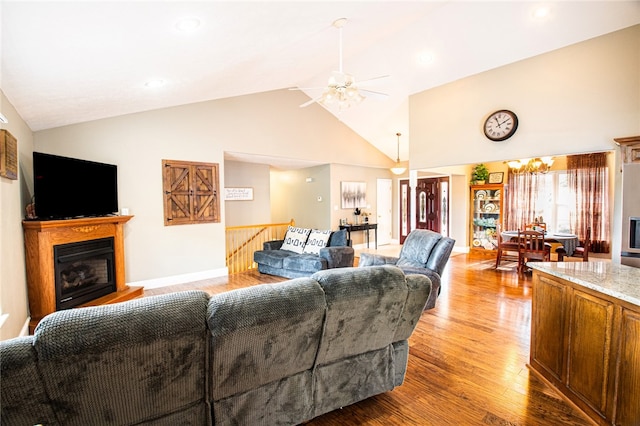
x: 619, y: 281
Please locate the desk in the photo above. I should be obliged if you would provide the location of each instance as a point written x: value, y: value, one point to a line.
x: 568, y: 241
x: 362, y: 227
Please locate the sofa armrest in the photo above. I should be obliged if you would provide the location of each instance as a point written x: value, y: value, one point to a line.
x: 369, y: 259
x: 433, y: 276
x: 338, y: 257
x: 272, y: 245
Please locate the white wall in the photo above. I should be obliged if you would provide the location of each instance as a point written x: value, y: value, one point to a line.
x: 13, y: 281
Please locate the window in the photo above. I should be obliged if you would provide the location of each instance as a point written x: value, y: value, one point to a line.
x: 555, y: 201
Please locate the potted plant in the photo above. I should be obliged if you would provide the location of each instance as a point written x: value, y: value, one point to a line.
x: 480, y: 174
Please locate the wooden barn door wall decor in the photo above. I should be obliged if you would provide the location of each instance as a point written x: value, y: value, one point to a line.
x: 191, y: 192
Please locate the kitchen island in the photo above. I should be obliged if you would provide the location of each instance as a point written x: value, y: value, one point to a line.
x: 585, y: 336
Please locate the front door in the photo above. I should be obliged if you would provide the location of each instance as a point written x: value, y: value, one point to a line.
x: 432, y: 204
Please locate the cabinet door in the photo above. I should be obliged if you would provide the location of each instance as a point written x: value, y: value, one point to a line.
x: 549, y: 305
x: 190, y: 192
x: 628, y: 399
x: 590, y: 349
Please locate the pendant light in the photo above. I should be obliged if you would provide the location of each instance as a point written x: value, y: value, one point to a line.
x: 398, y: 169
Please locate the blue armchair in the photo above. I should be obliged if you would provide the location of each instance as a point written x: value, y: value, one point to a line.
x: 423, y: 252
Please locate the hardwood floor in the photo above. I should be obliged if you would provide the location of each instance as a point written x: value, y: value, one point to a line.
x: 468, y: 356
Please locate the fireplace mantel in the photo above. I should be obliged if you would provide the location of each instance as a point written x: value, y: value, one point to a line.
x: 40, y: 236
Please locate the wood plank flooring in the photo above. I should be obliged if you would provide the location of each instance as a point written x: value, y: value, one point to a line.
x: 468, y: 356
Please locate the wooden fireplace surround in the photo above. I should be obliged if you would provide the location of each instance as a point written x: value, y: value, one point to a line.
x: 39, y: 239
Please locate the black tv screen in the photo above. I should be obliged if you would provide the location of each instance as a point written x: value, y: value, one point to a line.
x: 69, y: 187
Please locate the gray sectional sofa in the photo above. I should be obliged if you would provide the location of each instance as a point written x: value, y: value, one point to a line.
x: 274, y: 260
x: 265, y: 355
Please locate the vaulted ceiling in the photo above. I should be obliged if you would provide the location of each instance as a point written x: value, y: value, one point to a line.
x: 70, y: 62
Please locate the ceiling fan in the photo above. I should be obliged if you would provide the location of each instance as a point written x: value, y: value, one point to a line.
x: 342, y: 90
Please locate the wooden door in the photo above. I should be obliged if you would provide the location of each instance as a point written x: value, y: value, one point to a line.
x: 430, y: 211
x: 405, y: 209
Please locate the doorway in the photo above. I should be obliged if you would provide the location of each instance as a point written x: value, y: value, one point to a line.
x: 383, y: 208
x: 431, y: 202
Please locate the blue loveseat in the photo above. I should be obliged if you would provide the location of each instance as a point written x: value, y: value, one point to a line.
x: 275, y: 260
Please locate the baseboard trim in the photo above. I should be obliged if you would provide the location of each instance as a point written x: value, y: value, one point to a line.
x: 181, y: 279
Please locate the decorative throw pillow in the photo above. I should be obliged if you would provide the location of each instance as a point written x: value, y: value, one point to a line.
x: 295, y: 238
x: 317, y: 240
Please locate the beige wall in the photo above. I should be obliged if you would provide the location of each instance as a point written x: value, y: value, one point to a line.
x: 292, y: 196
x: 295, y: 198
x: 13, y: 199
x: 268, y: 124
x: 572, y: 100
x: 247, y: 175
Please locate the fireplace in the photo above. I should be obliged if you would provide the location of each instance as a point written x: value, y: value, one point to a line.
x: 83, y: 271
x: 40, y: 239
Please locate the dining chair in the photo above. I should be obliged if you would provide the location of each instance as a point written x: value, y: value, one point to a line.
x: 532, y: 248
x: 507, y: 250
x: 580, y: 251
x: 538, y: 226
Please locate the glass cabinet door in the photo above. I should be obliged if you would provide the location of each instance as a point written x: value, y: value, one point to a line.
x: 486, y: 214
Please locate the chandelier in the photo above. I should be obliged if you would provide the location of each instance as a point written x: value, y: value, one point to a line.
x: 531, y: 165
x: 341, y: 89
x: 398, y: 169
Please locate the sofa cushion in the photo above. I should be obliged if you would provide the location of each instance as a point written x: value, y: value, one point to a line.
x: 295, y: 239
x: 317, y: 240
x: 338, y: 239
x: 138, y: 361
x: 417, y: 248
x: 263, y: 334
x: 304, y: 262
x: 272, y: 258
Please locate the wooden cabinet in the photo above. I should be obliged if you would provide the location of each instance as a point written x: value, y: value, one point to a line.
x: 587, y: 344
x: 486, y: 214
x: 627, y: 402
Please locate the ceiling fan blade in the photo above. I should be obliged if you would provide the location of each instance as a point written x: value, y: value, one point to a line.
x: 372, y: 79
x: 310, y: 101
x: 307, y: 88
x: 371, y: 92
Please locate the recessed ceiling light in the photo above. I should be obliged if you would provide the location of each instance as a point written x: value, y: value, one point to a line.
x: 152, y: 84
x: 188, y: 25
x: 541, y: 12
x: 425, y: 58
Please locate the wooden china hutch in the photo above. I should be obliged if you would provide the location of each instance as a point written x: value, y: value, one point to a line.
x: 486, y: 214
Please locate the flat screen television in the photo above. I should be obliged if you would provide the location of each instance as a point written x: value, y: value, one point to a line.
x: 69, y: 187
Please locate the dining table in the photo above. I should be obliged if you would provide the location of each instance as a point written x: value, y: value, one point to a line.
x: 568, y: 241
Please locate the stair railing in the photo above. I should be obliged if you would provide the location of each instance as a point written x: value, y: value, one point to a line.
x: 242, y: 241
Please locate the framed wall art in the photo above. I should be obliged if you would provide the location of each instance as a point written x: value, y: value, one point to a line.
x: 353, y: 194
x: 496, y: 177
x: 238, y: 194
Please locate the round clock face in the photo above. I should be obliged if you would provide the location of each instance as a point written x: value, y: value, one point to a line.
x: 500, y: 125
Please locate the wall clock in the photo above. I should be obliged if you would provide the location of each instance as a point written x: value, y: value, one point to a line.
x: 500, y: 125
